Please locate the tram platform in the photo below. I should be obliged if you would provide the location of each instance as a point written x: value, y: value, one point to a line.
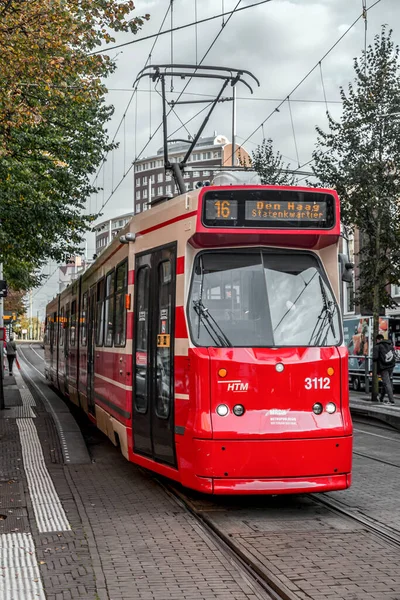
x: 361, y: 404
x: 79, y: 522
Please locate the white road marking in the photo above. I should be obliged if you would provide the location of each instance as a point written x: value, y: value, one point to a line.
x: 33, y: 366
x: 37, y: 353
x: 20, y: 575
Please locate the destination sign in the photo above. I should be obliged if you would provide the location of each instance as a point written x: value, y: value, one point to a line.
x: 259, y: 210
x: 269, y: 208
x: 221, y: 209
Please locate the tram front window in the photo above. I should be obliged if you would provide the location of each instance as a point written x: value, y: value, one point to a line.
x: 261, y: 299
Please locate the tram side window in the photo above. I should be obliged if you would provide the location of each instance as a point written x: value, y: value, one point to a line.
x: 50, y: 325
x: 83, y: 320
x: 53, y: 330
x: 100, y: 313
x: 120, y: 310
x: 72, y: 329
x: 142, y: 338
x: 163, y: 399
x: 61, y: 327
x: 109, y: 310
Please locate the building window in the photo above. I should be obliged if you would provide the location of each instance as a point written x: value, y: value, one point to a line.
x: 217, y: 155
x: 144, y: 193
x: 395, y: 291
x: 206, y: 155
x: 152, y: 178
x: 160, y: 178
x: 168, y: 189
x: 144, y: 181
x: 138, y: 195
x: 138, y: 168
x: 145, y: 207
x: 206, y: 173
x: 196, y: 173
x: 168, y: 177
x: 160, y: 190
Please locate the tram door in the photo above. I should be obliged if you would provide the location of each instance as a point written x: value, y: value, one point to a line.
x: 153, y: 398
x: 91, y: 348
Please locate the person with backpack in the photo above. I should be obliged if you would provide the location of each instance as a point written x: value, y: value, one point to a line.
x: 385, y: 357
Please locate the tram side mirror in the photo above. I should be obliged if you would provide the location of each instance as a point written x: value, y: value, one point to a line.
x: 346, y: 268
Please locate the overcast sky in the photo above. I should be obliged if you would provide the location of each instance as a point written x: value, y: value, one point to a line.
x: 279, y: 41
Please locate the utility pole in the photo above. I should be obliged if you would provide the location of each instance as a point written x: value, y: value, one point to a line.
x: 31, y: 315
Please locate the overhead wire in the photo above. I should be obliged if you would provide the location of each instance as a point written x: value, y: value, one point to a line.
x: 137, y: 157
x: 133, y: 92
x: 276, y: 109
x: 178, y: 28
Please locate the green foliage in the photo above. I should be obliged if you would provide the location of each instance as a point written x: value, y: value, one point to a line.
x: 270, y: 165
x: 52, y: 125
x: 360, y: 157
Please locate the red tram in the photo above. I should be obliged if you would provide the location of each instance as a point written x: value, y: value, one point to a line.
x: 207, y: 341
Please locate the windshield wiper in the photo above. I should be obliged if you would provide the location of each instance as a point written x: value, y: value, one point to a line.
x: 325, y: 318
x: 210, y: 324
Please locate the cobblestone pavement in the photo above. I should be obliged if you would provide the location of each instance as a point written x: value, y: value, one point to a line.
x: 128, y: 540
x: 131, y: 540
x: 376, y: 485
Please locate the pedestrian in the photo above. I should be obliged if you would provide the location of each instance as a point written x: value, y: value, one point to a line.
x: 11, y: 349
x: 385, y: 357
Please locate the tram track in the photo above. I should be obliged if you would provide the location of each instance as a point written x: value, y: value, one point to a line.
x: 264, y: 583
x: 269, y: 585
x: 384, y: 531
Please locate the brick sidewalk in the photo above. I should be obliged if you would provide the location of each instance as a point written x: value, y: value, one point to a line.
x: 123, y: 538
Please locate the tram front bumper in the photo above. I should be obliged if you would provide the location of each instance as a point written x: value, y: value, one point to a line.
x: 275, y: 466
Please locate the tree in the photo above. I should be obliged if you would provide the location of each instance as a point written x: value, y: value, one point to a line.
x: 270, y: 165
x: 360, y: 157
x: 15, y: 302
x: 52, y: 124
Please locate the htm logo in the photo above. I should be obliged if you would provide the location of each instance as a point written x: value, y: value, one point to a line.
x: 238, y: 387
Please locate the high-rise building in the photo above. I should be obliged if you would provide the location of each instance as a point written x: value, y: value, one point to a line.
x: 151, y: 180
x: 107, y: 230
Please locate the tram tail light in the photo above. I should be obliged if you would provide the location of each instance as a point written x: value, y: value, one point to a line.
x: 128, y: 301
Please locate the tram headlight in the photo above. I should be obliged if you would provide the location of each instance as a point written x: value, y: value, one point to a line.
x: 330, y: 408
x: 238, y: 410
x: 318, y: 408
x: 279, y: 367
x: 222, y: 410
